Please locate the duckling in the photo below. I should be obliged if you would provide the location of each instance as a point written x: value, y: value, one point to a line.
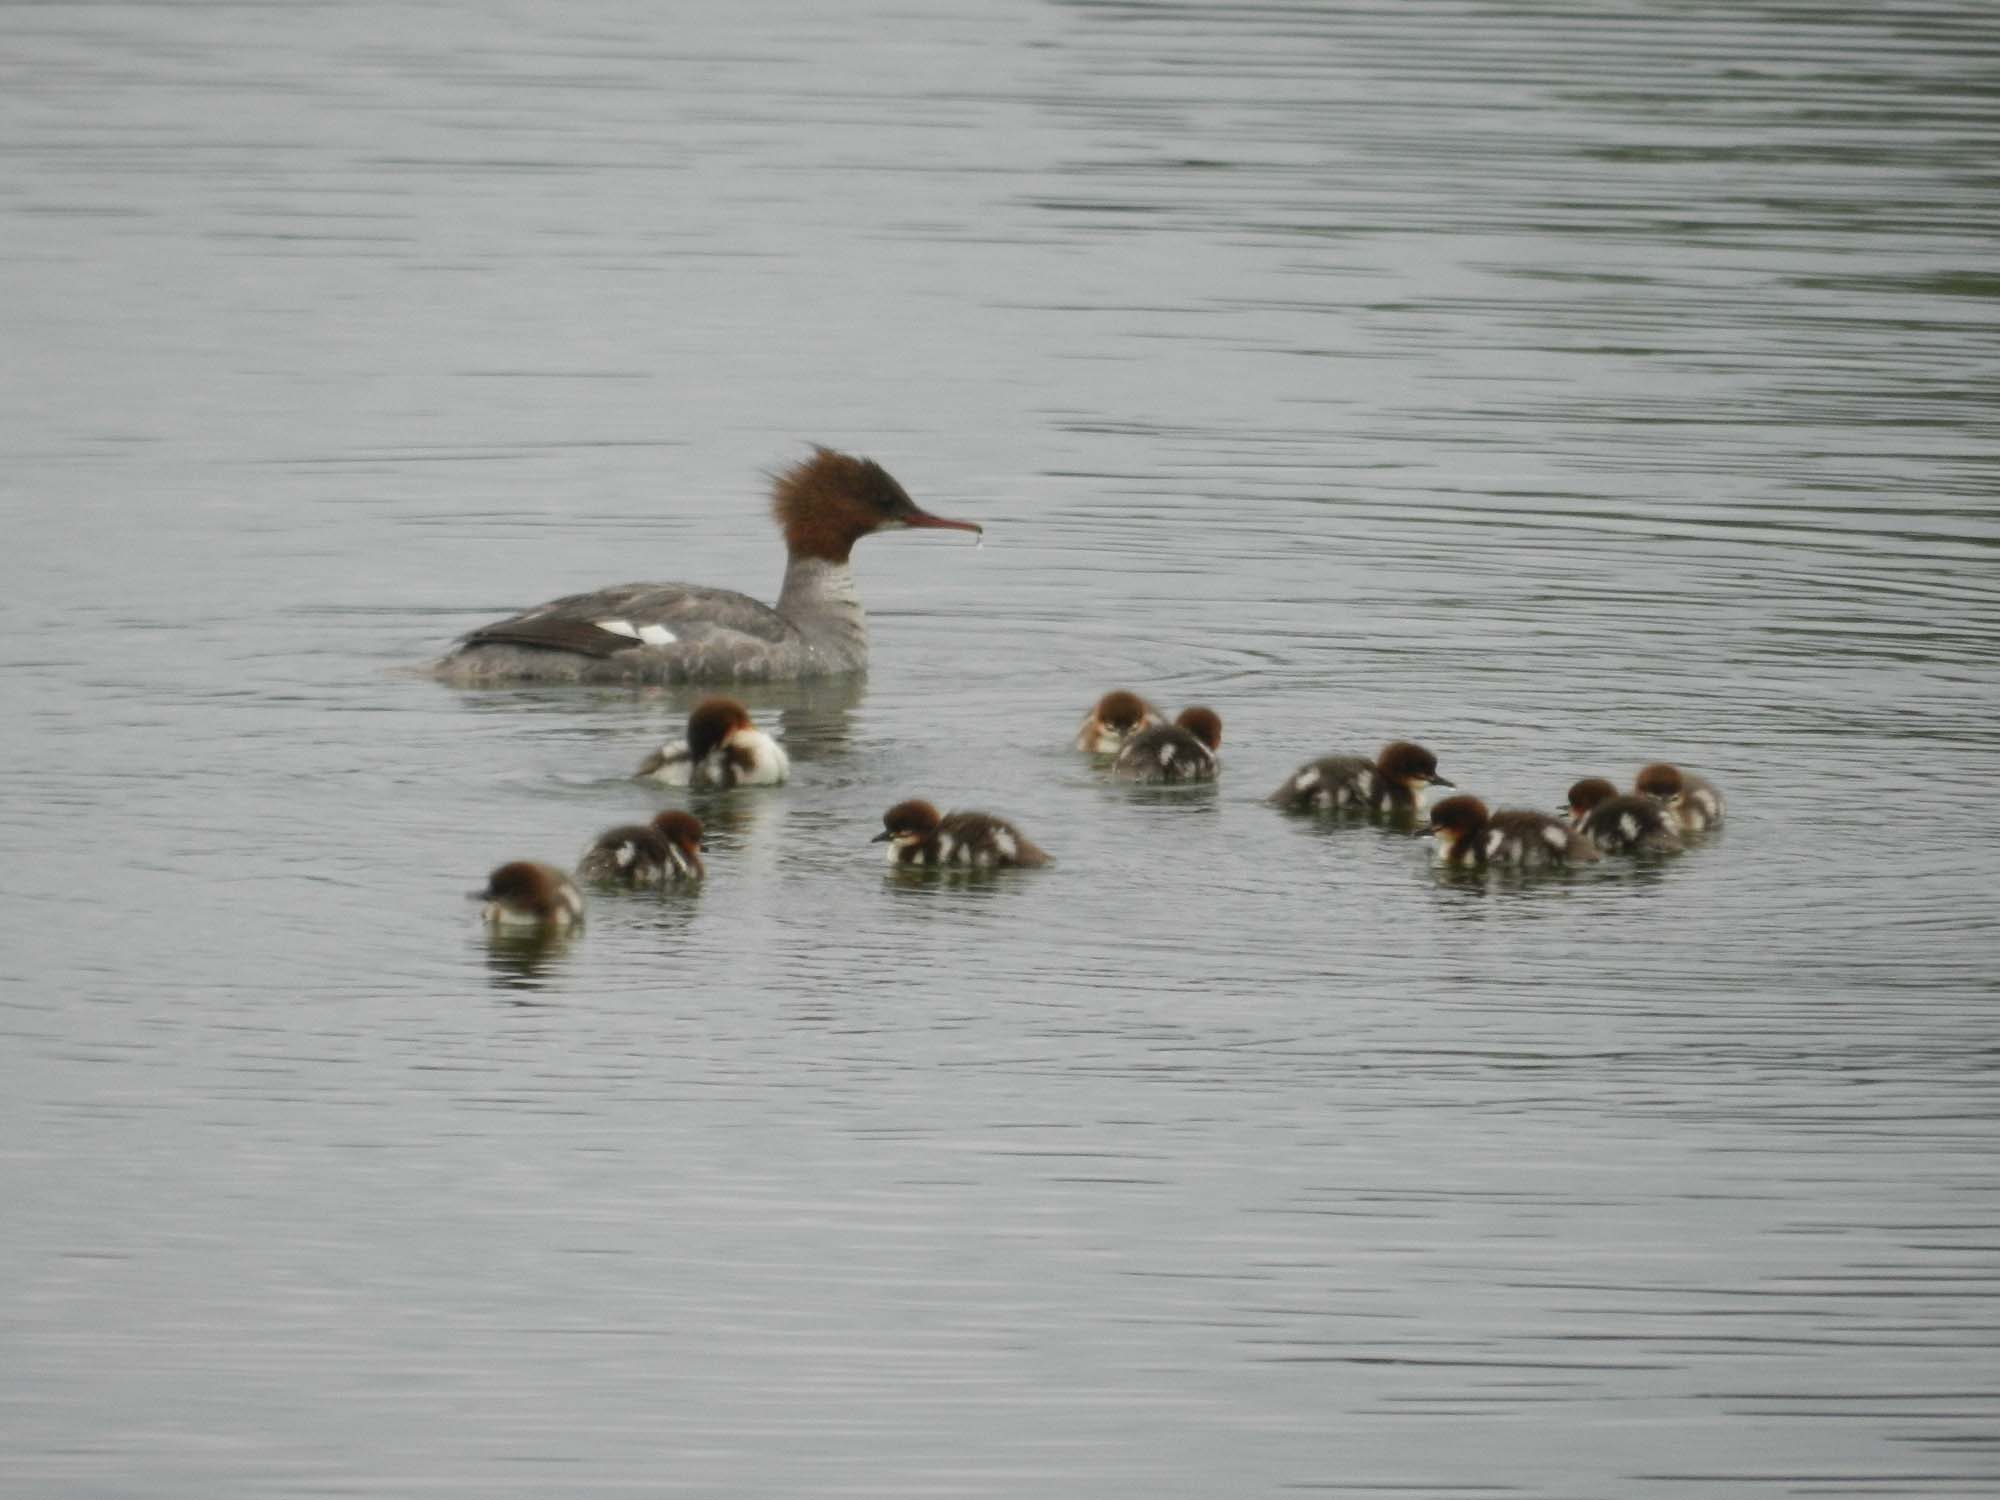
x: 1470, y: 838
x: 1391, y: 785
x: 1620, y: 824
x: 663, y: 852
x: 917, y: 835
x: 723, y: 748
x: 1184, y: 750
x: 525, y: 895
x: 1117, y: 717
x: 1694, y: 804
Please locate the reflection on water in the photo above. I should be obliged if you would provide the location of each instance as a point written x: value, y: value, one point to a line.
x: 524, y: 960
x: 1562, y: 389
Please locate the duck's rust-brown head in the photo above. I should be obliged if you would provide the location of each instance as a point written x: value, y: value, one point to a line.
x: 832, y: 500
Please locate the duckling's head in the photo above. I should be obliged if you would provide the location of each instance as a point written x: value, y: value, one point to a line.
x: 1453, y: 819
x: 1409, y: 765
x: 713, y: 721
x: 1586, y: 794
x: 1660, y: 781
x: 524, y: 893
x: 1205, y: 724
x: 1118, y: 716
x: 911, y: 822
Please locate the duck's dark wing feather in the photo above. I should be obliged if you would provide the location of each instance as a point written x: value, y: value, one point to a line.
x: 579, y: 636
x: 699, y: 618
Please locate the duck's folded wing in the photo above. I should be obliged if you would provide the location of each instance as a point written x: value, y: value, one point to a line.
x: 584, y: 637
x: 605, y: 622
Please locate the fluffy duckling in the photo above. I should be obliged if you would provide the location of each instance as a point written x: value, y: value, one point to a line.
x: 663, y: 852
x: 526, y: 896
x: 917, y: 835
x: 1116, y: 718
x: 1391, y: 785
x: 1620, y: 824
x: 1694, y: 805
x: 1184, y: 750
x: 723, y: 748
x: 1470, y: 838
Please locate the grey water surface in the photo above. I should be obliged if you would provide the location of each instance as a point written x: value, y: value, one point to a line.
x: 1564, y: 387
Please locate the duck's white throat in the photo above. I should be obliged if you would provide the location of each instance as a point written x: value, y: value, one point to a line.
x: 819, y: 598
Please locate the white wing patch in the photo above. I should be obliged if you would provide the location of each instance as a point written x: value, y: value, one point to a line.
x: 1555, y: 838
x: 1628, y: 825
x: 1004, y: 842
x: 1494, y: 839
x: 1167, y: 754
x: 1306, y: 780
x: 651, y: 635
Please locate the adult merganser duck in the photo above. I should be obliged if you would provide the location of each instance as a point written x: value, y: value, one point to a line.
x: 1620, y: 824
x: 677, y: 632
x: 525, y: 895
x: 1470, y: 838
x: 917, y: 835
x: 1694, y: 805
x: 1184, y: 750
x: 1390, y: 785
x: 1118, y: 716
x: 722, y: 749
x: 662, y: 852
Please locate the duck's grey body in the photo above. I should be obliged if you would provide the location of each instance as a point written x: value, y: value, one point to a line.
x: 682, y: 632
x: 675, y: 633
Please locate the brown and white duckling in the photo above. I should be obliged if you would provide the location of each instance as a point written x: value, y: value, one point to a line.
x: 1620, y: 824
x: 918, y: 835
x: 663, y: 852
x: 1184, y: 750
x: 1391, y: 785
x: 723, y: 748
x: 526, y: 896
x: 1694, y: 804
x: 1117, y: 717
x: 1470, y: 838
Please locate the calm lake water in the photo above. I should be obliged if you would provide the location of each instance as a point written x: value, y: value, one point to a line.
x: 1563, y: 387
